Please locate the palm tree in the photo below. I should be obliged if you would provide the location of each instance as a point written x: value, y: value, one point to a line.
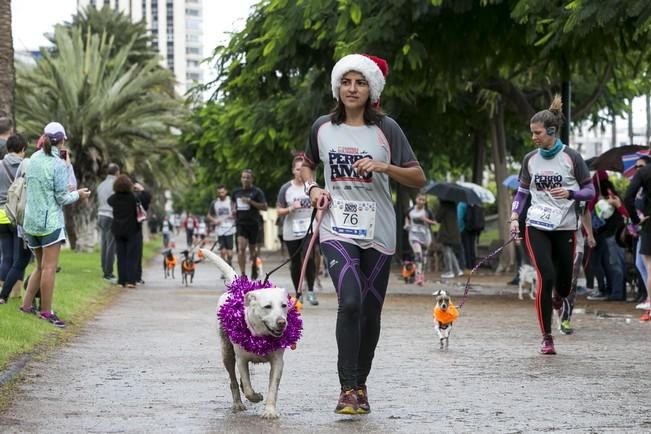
x: 113, y: 111
x: 7, y: 71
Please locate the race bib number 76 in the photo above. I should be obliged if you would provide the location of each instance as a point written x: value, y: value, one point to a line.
x: 353, y: 219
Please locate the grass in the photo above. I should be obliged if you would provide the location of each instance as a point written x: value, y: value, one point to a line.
x: 79, y: 292
x: 488, y: 236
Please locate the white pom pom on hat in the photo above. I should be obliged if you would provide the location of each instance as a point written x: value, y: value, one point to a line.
x: 374, y: 70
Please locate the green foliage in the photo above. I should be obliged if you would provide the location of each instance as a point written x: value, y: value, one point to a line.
x: 113, y: 110
x: 452, y: 63
x: 120, y: 27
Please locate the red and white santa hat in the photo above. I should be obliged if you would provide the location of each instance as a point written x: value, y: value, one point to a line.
x: 374, y: 70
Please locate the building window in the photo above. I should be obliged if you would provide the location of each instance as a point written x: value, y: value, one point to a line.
x: 192, y: 50
x: 193, y: 76
x: 107, y: 3
x: 192, y: 12
x: 193, y: 63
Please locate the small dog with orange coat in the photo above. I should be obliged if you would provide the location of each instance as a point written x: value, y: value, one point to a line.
x: 445, y: 313
x: 169, y: 263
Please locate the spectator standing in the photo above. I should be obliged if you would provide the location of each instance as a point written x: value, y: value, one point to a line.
x: 105, y: 221
x: 449, y: 236
x: 144, y: 198
x: 126, y: 230
x: 47, y: 180
x: 15, y: 255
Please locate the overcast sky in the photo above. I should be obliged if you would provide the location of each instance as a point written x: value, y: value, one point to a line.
x: 33, y: 18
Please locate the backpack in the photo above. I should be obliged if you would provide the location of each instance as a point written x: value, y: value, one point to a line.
x: 474, y: 220
x: 17, y: 199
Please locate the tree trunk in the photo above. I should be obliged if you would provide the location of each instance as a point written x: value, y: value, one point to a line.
x: 631, y: 137
x: 7, y: 70
x: 498, y: 136
x: 479, y: 157
x: 647, y: 100
x: 81, y: 223
x: 613, y: 132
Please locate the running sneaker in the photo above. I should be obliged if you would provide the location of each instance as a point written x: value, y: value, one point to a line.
x: 460, y: 273
x: 347, y: 402
x: 362, y: 401
x: 646, y: 316
x: 566, y: 327
x: 597, y: 297
x: 547, y: 345
x: 644, y: 306
x: 311, y: 298
x: 30, y: 309
x: 448, y: 275
x: 53, y: 319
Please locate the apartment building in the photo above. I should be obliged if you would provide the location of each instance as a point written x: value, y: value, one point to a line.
x: 176, y: 28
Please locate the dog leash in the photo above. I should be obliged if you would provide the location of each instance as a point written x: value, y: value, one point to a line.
x: 322, y: 204
x: 482, y: 261
x: 317, y: 215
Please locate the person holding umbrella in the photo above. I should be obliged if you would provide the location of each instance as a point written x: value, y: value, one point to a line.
x: 557, y: 179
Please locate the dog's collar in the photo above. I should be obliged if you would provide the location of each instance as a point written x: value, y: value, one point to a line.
x: 232, y: 321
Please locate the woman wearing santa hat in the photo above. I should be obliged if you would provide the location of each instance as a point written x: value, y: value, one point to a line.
x: 361, y: 149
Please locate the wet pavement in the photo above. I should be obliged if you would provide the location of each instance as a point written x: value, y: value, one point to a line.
x: 151, y: 363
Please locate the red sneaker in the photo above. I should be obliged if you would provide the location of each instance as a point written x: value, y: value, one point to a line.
x: 347, y: 402
x: 547, y: 346
x: 646, y: 316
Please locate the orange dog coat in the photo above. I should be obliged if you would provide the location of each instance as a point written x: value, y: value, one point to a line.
x: 446, y: 317
x: 170, y: 263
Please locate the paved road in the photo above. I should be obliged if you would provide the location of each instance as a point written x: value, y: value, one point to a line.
x: 151, y: 363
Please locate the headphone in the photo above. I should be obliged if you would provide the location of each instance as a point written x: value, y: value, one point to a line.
x: 551, y: 131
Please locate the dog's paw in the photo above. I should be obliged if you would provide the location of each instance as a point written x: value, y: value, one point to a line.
x: 254, y: 397
x: 269, y: 413
x: 237, y: 407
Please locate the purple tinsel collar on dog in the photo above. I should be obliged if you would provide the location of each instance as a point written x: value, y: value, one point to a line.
x: 231, y: 317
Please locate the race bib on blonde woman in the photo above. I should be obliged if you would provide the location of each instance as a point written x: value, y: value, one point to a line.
x: 353, y: 219
x: 544, y: 217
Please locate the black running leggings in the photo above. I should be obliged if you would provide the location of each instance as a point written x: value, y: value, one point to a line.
x: 360, y: 277
x: 552, y: 254
x: 297, y: 263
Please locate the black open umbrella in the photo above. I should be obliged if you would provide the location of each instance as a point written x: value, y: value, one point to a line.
x: 453, y: 192
x: 612, y: 158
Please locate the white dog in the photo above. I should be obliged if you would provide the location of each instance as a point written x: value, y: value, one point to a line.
x: 528, y: 278
x: 265, y: 314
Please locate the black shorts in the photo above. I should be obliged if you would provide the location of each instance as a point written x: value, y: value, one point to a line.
x: 645, y: 243
x: 225, y: 242
x: 250, y: 232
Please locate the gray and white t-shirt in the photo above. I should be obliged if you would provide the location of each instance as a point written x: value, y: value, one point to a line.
x: 362, y: 211
x: 567, y: 170
x: 297, y: 222
x: 222, y: 210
